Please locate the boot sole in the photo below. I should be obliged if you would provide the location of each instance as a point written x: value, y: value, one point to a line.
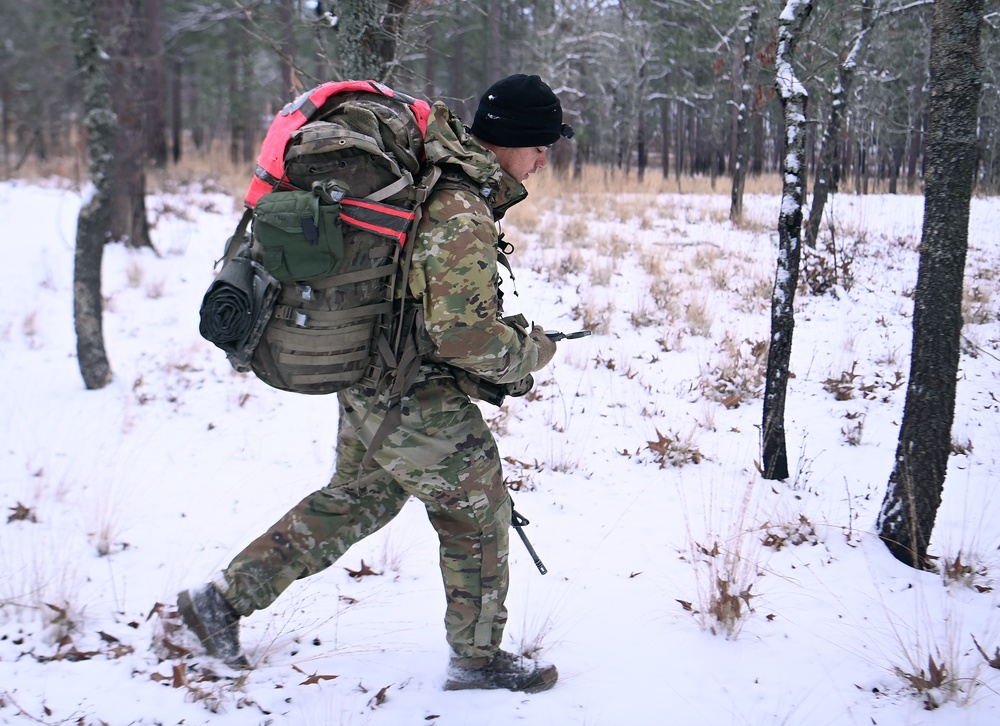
x: 544, y: 684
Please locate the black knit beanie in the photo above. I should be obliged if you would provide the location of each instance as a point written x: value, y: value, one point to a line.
x: 520, y: 111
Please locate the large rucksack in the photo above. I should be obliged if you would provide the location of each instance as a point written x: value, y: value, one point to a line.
x: 308, y: 300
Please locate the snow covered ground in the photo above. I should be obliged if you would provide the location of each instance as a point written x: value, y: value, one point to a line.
x: 634, y: 459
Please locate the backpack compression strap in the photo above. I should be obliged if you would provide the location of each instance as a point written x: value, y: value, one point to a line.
x: 271, y: 162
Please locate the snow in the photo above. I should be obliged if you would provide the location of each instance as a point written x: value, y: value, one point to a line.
x: 180, y: 462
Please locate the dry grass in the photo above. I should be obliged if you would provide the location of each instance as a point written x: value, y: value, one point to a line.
x: 210, y: 168
x: 601, y: 180
x: 726, y: 560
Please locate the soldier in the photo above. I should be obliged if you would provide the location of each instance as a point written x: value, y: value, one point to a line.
x: 442, y: 451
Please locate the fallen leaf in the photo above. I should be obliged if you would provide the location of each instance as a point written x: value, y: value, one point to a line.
x: 662, y: 445
x: 73, y: 655
x: 21, y: 513
x: 175, y: 650
x: 379, y: 697
x: 120, y: 651
x: 316, y: 678
x: 362, y: 572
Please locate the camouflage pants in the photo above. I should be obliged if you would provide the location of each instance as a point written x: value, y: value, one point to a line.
x: 444, y: 455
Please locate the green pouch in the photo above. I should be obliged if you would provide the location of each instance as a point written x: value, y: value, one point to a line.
x: 300, y: 235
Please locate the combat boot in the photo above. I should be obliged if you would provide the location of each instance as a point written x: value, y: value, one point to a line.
x: 503, y: 670
x: 207, y: 613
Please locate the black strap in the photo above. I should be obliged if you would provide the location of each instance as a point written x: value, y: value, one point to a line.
x: 233, y: 245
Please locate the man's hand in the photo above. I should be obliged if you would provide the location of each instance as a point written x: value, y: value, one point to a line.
x: 546, y: 347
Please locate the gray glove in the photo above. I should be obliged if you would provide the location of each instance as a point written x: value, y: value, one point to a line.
x: 546, y: 347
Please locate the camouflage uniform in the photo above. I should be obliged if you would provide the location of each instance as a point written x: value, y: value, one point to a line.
x: 442, y: 453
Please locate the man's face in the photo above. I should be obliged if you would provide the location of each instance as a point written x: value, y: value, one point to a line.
x: 519, y: 162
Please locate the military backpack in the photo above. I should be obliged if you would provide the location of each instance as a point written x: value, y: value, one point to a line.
x: 308, y: 300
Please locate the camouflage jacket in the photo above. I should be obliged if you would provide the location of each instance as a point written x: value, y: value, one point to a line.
x: 454, y: 270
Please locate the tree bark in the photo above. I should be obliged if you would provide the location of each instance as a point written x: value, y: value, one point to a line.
x: 742, y: 155
x: 369, y: 34
x: 793, y: 100
x: 94, y: 222
x: 665, y: 135
x: 155, y: 86
x: 129, y: 222
x: 288, y: 83
x: 907, y: 515
x: 176, y: 108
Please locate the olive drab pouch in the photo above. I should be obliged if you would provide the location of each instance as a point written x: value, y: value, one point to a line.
x: 334, y: 204
x: 299, y: 235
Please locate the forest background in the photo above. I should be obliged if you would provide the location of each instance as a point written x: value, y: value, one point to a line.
x: 648, y: 84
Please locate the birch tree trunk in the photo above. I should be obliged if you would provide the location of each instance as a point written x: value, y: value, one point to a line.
x: 826, y: 174
x: 907, y: 515
x: 793, y: 100
x: 743, y: 117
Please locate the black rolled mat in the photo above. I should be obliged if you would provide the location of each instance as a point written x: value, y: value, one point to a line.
x: 236, y: 307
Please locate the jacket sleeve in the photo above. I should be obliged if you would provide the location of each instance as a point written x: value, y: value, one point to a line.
x: 455, y: 275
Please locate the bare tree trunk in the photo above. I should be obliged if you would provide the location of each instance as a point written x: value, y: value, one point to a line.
x: 793, y: 100
x: 430, y: 59
x: 197, y: 126
x: 641, y: 152
x: 826, y: 174
x: 906, y: 519
x: 665, y: 134
x: 456, y: 74
x: 916, y: 136
x: 129, y: 223
x: 176, y: 108
x: 369, y: 32
x: 5, y: 104
x: 742, y: 152
x: 288, y: 82
x: 491, y: 67
x: 234, y: 89
x: 896, y: 153
x: 680, y: 159
x: 94, y: 223
x: 156, y: 109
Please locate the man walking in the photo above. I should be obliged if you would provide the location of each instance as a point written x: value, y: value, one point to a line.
x: 441, y: 452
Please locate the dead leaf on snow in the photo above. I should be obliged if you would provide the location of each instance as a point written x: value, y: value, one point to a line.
x: 316, y: 678
x: 362, y: 572
x: 379, y: 698
x: 21, y: 513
